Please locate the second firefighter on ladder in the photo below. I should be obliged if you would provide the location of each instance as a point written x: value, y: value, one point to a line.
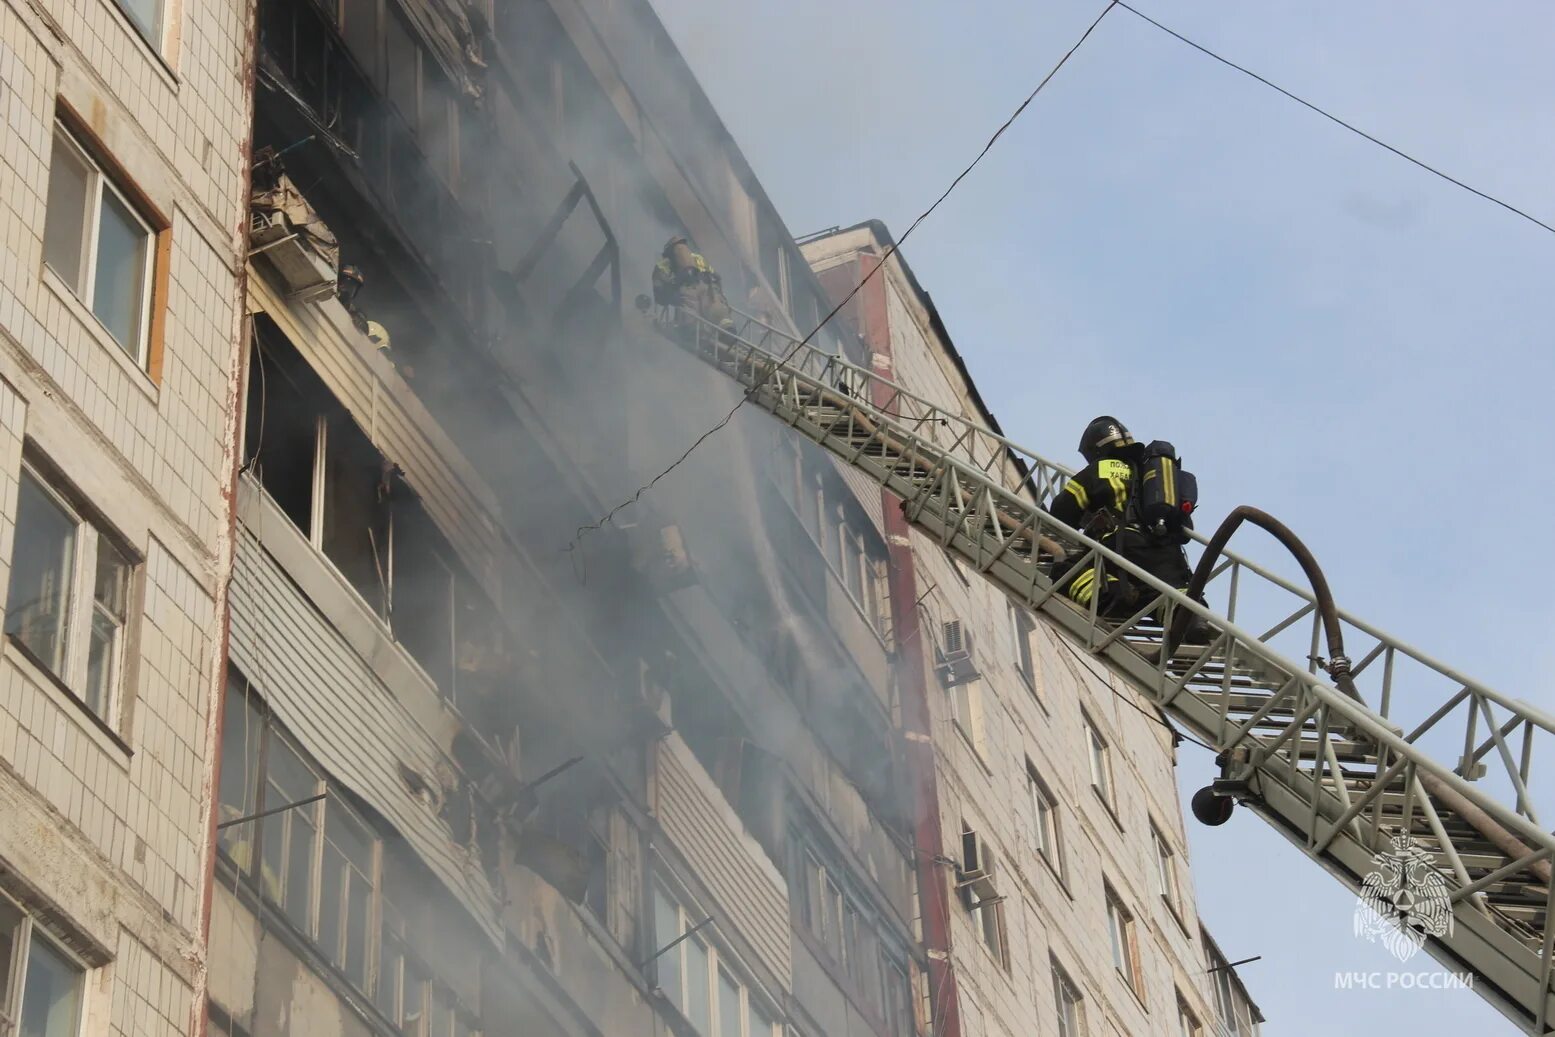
x: 1136, y: 500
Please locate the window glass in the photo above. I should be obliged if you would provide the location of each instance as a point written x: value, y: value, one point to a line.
x: 442, y: 1014
x: 1100, y: 778
x: 43, y: 560
x: 51, y: 997
x: 729, y: 1014
x: 11, y: 926
x: 401, y: 66
x: 64, y: 236
x: 359, y: 26
x: 288, y: 835
x: 390, y: 955
x: 698, y: 995
x: 413, y: 1006
x: 119, y: 292
x: 666, y: 927
x: 146, y: 14
x: 1067, y: 999
x: 852, y: 565
x: 239, y: 783
x: 108, y: 615
x: 346, y: 893
x: 762, y: 1024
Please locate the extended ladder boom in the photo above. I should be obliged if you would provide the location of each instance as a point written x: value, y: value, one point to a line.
x: 1340, y: 778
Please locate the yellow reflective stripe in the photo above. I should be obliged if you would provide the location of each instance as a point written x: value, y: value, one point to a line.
x: 1170, y: 471
x: 1075, y: 490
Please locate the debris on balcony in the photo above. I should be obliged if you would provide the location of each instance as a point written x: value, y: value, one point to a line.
x: 284, y: 229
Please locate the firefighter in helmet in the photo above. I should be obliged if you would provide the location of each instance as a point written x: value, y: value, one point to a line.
x: 1099, y: 501
x: 683, y: 279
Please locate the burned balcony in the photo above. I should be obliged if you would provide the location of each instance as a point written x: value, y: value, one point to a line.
x: 285, y: 231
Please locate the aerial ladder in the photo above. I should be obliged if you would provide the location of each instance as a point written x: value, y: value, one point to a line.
x: 1357, y: 747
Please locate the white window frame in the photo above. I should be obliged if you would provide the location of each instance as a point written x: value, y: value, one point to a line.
x: 1045, y: 821
x: 97, y: 181
x: 1166, y: 867
x: 82, y: 604
x: 1122, y: 936
x: 716, y: 960
x: 22, y: 938
x: 1022, y: 626
x: 966, y: 710
x: 1188, y: 1024
x: 1064, y: 985
x: 154, y: 35
x: 1099, y: 761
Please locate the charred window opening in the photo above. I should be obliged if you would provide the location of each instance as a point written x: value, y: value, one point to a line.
x: 281, y: 432
x: 352, y: 504
x: 424, y: 591
x: 363, y: 73
x: 584, y: 844
x: 356, y: 531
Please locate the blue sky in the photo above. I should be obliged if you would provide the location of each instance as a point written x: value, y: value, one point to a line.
x: 1324, y: 330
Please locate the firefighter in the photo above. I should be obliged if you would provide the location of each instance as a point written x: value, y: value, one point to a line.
x: 683, y: 279
x: 1099, y: 502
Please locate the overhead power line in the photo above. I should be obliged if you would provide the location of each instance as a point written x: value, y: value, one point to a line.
x: 1334, y: 118
x: 599, y: 523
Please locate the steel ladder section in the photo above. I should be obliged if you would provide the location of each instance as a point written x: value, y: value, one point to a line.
x: 1337, y: 777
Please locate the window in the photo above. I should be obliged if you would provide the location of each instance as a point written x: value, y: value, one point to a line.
x: 147, y: 16
x: 1044, y: 820
x: 1165, y: 868
x: 698, y: 980
x: 966, y: 711
x: 863, y: 954
x: 1187, y: 1022
x: 988, y: 910
x: 320, y: 469
x: 1021, y: 626
x: 1120, y: 931
x: 346, y: 894
x: 1239, y: 1017
x: 98, y: 245
x: 78, y: 637
x: 40, y: 985
x: 1066, y: 996
x: 1100, y: 762
x: 288, y: 847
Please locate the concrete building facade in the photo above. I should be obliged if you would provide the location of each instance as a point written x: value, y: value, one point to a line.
x: 124, y: 181
x: 1075, y: 909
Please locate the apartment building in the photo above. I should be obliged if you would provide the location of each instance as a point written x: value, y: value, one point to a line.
x: 123, y: 175
x: 1074, y: 905
x: 489, y: 764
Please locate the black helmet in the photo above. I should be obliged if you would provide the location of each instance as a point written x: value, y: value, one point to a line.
x: 669, y: 246
x: 1103, y: 432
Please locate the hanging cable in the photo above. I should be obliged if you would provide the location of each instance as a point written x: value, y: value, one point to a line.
x: 1335, y: 119
x: 599, y: 523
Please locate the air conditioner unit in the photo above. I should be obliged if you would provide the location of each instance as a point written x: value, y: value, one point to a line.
x: 307, y: 275
x: 974, y: 876
x: 286, y: 231
x: 955, y: 655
